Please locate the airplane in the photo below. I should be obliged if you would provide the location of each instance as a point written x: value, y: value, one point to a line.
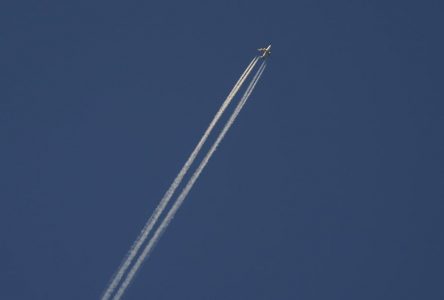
x: 265, y: 51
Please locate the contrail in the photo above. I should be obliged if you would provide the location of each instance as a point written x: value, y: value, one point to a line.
x: 171, y: 213
x: 169, y: 193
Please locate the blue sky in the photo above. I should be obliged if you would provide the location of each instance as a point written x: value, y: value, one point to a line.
x: 329, y: 186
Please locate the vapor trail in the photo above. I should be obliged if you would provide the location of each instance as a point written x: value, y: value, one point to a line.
x: 169, y: 193
x: 171, y: 213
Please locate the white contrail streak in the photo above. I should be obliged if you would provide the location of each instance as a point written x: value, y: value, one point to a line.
x: 169, y: 193
x: 171, y: 213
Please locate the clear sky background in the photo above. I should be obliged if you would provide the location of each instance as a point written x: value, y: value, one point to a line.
x: 329, y: 186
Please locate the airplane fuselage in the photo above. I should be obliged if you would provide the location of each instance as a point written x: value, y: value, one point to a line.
x: 265, y: 51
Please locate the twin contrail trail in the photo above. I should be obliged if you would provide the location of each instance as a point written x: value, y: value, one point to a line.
x: 169, y: 193
x: 171, y: 213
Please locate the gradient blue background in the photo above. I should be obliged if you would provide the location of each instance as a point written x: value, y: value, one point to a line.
x: 329, y: 186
